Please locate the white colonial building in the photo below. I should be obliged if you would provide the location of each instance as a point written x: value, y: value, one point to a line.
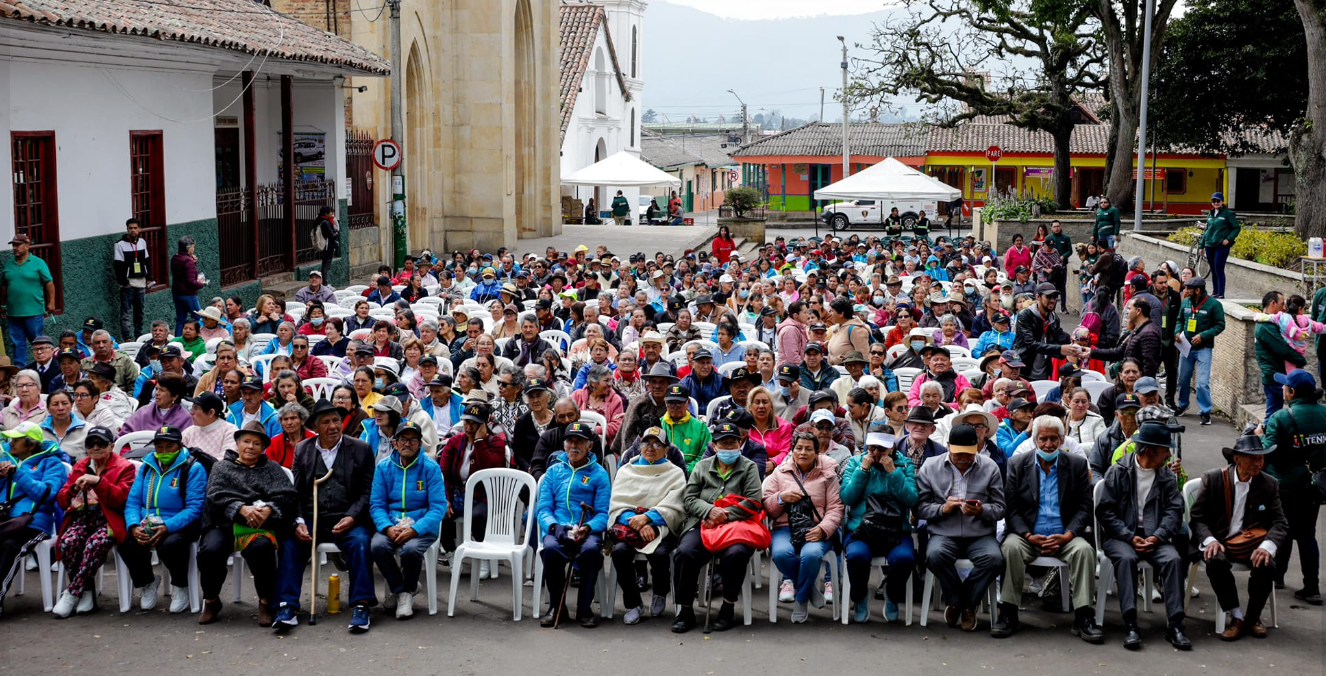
x: 602, y: 83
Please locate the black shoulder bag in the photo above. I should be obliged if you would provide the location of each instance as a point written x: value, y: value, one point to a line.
x: 801, y: 515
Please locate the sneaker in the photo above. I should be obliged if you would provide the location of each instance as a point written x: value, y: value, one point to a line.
x: 658, y: 605
x: 444, y: 558
x: 86, y: 603
x: 633, y: 615
x: 359, y: 619
x: 968, y: 619
x: 828, y: 592
x: 799, y: 613
x: 404, y: 605
x: 890, y: 610
x: 1180, y: 410
x: 179, y: 599
x: 65, y: 606
x: 786, y: 594
x: 485, y: 569
x: 286, y: 617
x: 860, y: 613
x: 149, y: 594
x: 1205, y: 418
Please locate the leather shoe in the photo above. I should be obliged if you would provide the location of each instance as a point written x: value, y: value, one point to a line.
x: 211, y: 608
x: 1007, y: 622
x: 1258, y: 630
x: 589, y: 620
x: 685, y: 621
x: 1133, y: 640
x: 969, y: 619
x: 951, y: 615
x: 1177, y: 638
x: 265, y: 618
x: 551, y: 618
x: 725, y: 619
x: 1233, y: 631
x: 1086, y: 629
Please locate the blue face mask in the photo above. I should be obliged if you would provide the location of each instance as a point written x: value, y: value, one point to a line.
x: 156, y: 365
x: 1047, y: 457
x: 727, y: 457
x: 379, y: 384
x: 317, y: 321
x: 917, y: 345
x: 786, y: 392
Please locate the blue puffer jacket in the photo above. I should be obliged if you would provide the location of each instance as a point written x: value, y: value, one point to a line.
x: 35, y: 481
x: 563, y: 488
x: 455, y: 405
x: 415, y: 490
x: 157, y: 491
x: 372, y: 436
x: 266, y: 415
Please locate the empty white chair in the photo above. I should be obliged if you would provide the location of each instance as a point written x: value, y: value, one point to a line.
x: 332, y: 362
x: 1042, y: 388
x: 1095, y: 387
x: 263, y: 362
x: 321, y: 388
x: 127, y: 441
x: 131, y: 349
x: 905, y: 377
x: 503, y: 537
x: 558, y: 339
x: 731, y: 366
x: 1093, y: 377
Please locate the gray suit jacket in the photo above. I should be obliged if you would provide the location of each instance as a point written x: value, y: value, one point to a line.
x: 934, y: 481
x: 1022, y: 493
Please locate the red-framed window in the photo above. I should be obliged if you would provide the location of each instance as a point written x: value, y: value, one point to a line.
x: 147, y: 189
x: 36, y: 204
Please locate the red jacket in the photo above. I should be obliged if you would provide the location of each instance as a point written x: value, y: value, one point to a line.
x: 489, y: 453
x: 723, y: 248
x: 312, y: 368
x: 112, y: 492
x: 282, y: 452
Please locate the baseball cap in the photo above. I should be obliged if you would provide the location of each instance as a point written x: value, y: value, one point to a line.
x: 70, y: 353
x: 1126, y: 401
x: 725, y: 430
x: 789, y: 372
x: 655, y: 433
x: 822, y: 415
x: 579, y: 429
x: 210, y: 401
x: 92, y: 324
x: 391, y: 404
x: 27, y: 429
x: 813, y: 346
x: 173, y: 350
x: 251, y: 383
x: 702, y: 353
x: 1298, y: 380
x: 1046, y: 289
x: 676, y: 393
x: 100, y: 432
x: 168, y: 433
x: 103, y: 370
x: 1147, y: 385
x: 537, y: 385
x: 962, y: 439
x: 408, y: 427
x: 1018, y: 404
x: 476, y: 411
x: 441, y: 380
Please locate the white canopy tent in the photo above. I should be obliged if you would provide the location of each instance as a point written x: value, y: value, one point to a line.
x: 622, y: 170
x: 889, y: 180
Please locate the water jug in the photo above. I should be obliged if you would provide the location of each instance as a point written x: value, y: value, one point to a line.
x: 1315, y: 247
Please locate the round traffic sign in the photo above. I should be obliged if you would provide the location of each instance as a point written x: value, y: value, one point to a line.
x: 994, y: 153
x: 387, y: 154
x: 732, y: 176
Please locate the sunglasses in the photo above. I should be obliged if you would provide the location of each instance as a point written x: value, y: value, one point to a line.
x: 96, y: 443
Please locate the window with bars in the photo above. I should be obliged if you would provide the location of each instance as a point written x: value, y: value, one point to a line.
x: 36, y: 207
x: 147, y: 189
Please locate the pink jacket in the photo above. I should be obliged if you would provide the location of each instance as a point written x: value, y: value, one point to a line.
x: 612, y: 409
x: 914, y: 395
x: 821, y: 485
x: 777, y: 441
x: 792, y: 339
x: 1013, y: 258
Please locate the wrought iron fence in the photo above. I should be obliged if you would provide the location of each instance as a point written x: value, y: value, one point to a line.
x: 243, y: 261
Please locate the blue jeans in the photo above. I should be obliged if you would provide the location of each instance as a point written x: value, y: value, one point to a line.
x: 22, y: 330
x: 802, y: 568
x: 185, y: 306
x: 1201, y: 360
x: 354, y: 547
x: 1275, y: 399
x: 131, y: 308
x: 902, y: 558
x: 1217, y: 256
x: 403, y: 576
x: 1107, y: 240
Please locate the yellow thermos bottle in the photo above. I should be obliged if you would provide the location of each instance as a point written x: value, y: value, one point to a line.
x: 334, y: 594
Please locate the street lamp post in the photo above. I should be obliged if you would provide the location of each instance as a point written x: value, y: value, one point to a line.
x: 846, y: 150
x: 1141, y: 132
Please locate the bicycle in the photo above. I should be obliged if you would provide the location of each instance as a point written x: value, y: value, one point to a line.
x: 1197, y: 255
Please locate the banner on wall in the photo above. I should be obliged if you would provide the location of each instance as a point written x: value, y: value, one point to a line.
x: 310, y: 156
x: 979, y: 180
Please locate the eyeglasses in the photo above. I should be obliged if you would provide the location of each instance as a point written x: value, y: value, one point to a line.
x: 26, y: 386
x: 82, y: 395
x: 980, y: 426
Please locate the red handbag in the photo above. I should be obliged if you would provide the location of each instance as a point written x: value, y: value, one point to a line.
x: 749, y: 531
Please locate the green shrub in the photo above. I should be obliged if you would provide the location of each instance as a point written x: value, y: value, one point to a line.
x: 1268, y: 247
x: 1016, y: 209
x: 743, y: 199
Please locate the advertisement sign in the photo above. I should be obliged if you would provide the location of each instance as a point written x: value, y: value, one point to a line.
x: 310, y: 156
x: 979, y: 180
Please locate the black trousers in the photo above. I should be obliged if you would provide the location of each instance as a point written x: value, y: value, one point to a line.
x: 1221, y: 573
x: 327, y: 255
x: 691, y: 556
x: 1169, y: 567
x: 478, y: 524
x: 173, y: 550
x: 623, y: 561
x: 217, y: 544
x: 1302, y: 515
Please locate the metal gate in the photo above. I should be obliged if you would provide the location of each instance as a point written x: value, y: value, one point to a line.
x: 359, y: 167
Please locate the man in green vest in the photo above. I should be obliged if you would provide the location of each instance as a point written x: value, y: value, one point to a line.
x: 1107, y: 224
x: 1222, y: 228
x: 1064, y: 245
x: 1297, y: 435
x: 1201, y: 318
x: 620, y: 209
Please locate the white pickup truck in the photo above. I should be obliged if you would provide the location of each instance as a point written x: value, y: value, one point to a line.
x: 873, y: 213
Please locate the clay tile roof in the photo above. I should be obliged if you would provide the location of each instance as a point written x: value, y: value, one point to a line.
x: 241, y: 25
x: 968, y: 137
x: 825, y: 138
x: 579, y: 25
x: 666, y: 153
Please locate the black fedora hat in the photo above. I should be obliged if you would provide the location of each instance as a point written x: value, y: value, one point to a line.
x: 920, y: 414
x: 1154, y: 434
x: 1247, y: 444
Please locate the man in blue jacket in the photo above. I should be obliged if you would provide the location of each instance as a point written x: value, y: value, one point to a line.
x: 407, y: 505
x: 251, y: 407
x: 169, y: 488
x: 573, y: 479
x: 703, y: 383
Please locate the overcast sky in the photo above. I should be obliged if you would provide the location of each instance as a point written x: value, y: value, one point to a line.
x: 781, y: 9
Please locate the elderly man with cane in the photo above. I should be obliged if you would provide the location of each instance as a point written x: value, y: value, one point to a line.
x: 334, y: 480
x: 575, y: 486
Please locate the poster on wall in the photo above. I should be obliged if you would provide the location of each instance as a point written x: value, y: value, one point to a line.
x: 310, y: 156
x: 979, y: 180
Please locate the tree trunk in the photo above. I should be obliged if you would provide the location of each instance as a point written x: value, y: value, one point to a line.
x: 1063, y: 167
x: 1307, y: 141
x: 1123, y: 134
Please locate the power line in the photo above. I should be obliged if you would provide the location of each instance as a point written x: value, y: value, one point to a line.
x: 236, y: 10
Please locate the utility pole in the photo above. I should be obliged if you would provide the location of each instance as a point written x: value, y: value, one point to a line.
x: 821, y: 104
x: 846, y: 151
x: 745, y: 121
x: 1141, y: 132
x: 399, y: 238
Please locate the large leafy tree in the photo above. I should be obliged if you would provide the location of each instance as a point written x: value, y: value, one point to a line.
x: 1307, y: 139
x: 1023, y: 60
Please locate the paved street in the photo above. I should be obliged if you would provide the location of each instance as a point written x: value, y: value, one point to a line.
x: 482, y: 639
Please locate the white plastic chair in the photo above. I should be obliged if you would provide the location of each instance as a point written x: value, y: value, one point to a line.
x: 558, y: 339
x: 1093, y: 377
x: 598, y: 419
x: 956, y: 351
x: 43, y: 553
x: 830, y: 558
x: 361, y: 334
x: 501, y: 344
x: 321, y: 388
x: 130, y: 440
x: 203, y: 364
x: 731, y: 366
x: 905, y: 378
x: 876, y: 562
x: 503, y: 539
x: 263, y: 362
x: 260, y: 340
x: 1042, y: 388
x: 1095, y: 387
x: 713, y: 406
x: 895, y: 351
x: 991, y: 594
x: 1190, y: 491
x: 356, y: 289
x: 131, y: 349
x: 331, y: 361
x: 965, y: 363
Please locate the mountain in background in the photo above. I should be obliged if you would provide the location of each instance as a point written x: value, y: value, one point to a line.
x: 692, y: 59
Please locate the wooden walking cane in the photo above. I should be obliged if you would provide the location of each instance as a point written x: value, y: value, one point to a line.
x: 313, y: 570
x: 585, y: 511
